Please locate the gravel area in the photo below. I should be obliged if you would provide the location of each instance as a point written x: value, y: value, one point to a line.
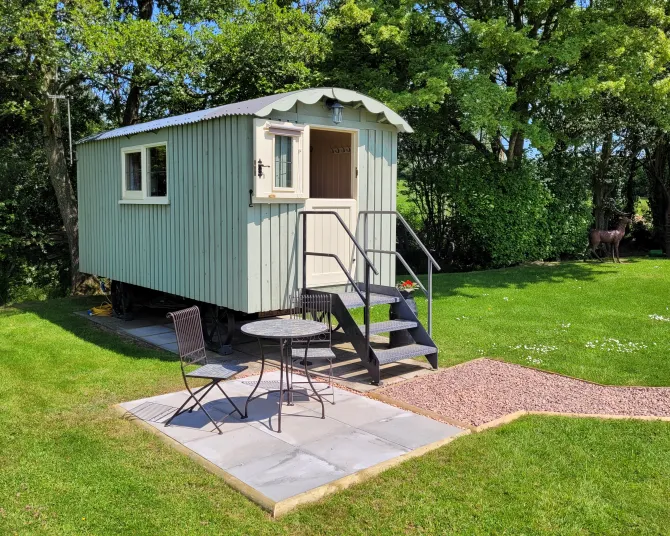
x: 483, y: 390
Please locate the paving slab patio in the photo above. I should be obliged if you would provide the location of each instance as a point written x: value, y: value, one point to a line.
x: 310, y: 457
x: 348, y: 370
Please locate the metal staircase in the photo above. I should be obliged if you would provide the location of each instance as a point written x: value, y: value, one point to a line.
x: 366, y: 295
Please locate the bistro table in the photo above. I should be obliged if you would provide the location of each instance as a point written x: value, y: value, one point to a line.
x: 284, y: 330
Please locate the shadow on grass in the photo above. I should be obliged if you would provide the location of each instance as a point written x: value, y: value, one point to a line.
x: 61, y: 312
x: 519, y: 277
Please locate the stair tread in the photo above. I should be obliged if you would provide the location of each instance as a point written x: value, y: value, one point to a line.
x: 391, y: 355
x: 389, y: 325
x: 351, y: 300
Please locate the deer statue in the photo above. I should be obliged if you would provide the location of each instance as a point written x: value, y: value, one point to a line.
x: 597, y: 237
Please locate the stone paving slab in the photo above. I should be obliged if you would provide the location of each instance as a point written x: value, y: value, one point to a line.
x: 150, y: 330
x: 161, y: 339
x: 348, y: 370
x: 311, y: 457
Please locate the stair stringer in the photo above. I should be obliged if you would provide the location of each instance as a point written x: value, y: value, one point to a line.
x: 350, y: 327
x: 403, y: 312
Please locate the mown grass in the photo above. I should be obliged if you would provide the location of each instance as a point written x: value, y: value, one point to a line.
x: 564, y: 317
x: 70, y: 465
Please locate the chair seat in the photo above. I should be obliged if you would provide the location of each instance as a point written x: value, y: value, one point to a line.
x: 313, y: 353
x: 216, y: 371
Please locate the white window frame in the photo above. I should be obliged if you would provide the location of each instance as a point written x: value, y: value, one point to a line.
x: 142, y: 196
x: 264, y: 187
x: 295, y: 157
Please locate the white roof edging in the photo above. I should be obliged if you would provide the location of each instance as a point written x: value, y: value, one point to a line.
x: 261, y: 107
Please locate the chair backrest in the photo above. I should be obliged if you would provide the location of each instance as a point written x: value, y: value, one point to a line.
x: 317, y: 307
x: 188, y: 328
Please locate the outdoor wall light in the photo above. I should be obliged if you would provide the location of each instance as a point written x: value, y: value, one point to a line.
x: 336, y: 109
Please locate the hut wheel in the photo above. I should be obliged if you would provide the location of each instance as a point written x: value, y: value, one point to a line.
x: 218, y: 327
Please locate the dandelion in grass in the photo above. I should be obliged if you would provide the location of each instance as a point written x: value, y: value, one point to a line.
x: 506, y: 298
x: 615, y: 345
x: 538, y: 348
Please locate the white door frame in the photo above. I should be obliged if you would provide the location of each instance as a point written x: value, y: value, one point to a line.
x: 314, y: 280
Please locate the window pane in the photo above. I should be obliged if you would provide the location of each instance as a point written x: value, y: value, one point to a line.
x: 283, y: 164
x: 134, y: 172
x: 157, y: 169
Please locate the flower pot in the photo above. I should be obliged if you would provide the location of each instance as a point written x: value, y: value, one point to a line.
x: 402, y: 337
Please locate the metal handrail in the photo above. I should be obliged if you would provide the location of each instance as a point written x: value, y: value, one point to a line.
x: 404, y: 263
x: 368, y: 266
x: 431, y: 261
x: 411, y: 232
x: 344, y: 226
x: 344, y: 269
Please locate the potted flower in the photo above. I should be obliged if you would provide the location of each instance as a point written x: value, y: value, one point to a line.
x: 402, y: 337
x: 406, y: 288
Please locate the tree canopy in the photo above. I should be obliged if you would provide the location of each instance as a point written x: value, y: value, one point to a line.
x: 534, y: 119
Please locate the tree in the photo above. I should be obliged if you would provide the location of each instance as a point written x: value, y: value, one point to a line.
x: 257, y: 49
x: 45, y: 64
x: 55, y: 47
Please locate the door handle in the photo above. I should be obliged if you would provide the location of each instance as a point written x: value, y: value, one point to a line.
x: 260, y: 167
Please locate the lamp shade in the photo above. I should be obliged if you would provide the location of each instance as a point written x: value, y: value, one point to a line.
x: 336, y: 109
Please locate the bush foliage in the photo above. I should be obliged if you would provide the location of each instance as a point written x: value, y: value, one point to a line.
x: 499, y: 216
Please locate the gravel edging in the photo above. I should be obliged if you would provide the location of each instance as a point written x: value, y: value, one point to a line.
x: 485, y: 391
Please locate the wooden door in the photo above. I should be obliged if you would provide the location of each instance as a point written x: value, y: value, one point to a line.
x: 326, y: 235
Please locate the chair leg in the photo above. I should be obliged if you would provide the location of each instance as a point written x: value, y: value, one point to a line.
x: 193, y: 395
x: 209, y: 417
x: 330, y: 373
x: 211, y: 386
x: 178, y: 412
x: 229, y: 400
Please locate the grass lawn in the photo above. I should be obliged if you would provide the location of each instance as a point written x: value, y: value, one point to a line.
x: 70, y: 465
x: 588, y: 320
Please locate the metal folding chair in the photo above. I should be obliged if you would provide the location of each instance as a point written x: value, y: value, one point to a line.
x: 315, y: 307
x: 191, y: 343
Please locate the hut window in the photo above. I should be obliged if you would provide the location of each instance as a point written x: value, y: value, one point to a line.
x: 283, y: 162
x: 157, y: 170
x: 134, y: 171
x: 145, y: 174
x: 280, y: 162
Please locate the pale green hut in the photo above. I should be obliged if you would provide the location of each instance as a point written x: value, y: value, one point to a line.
x: 210, y: 205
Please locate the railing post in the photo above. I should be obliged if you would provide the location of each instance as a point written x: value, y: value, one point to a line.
x: 304, y: 252
x: 366, y: 312
x: 365, y: 236
x: 430, y: 298
x: 365, y: 232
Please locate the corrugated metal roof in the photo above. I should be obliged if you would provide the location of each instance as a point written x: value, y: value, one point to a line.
x: 260, y: 107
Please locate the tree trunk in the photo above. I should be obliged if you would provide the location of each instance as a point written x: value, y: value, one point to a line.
x: 515, y: 150
x: 655, y: 162
x: 630, y: 182
x: 131, y: 112
x: 60, y: 176
x: 599, y: 184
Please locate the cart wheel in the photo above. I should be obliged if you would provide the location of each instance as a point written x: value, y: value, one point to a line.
x: 122, y: 300
x: 218, y: 329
